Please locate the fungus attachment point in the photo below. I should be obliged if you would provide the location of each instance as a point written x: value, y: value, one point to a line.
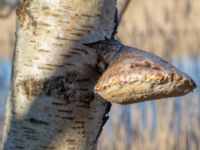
x: 135, y: 76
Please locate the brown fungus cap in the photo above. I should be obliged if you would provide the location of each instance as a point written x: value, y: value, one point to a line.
x: 135, y: 76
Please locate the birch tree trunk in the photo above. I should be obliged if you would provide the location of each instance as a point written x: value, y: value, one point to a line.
x: 51, y: 105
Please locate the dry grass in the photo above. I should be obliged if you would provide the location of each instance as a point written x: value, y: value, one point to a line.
x: 164, y: 27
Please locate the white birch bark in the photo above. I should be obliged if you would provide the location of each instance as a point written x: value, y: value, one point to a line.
x: 51, y: 104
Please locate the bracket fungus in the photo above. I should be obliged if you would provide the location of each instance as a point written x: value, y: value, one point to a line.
x: 134, y: 75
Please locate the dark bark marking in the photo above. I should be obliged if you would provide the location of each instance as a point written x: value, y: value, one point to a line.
x: 32, y: 138
x: 20, y: 147
x: 80, y: 50
x: 68, y: 64
x: 60, y: 131
x: 67, y: 29
x: 65, y: 11
x: 43, y: 50
x: 58, y: 104
x: 82, y: 30
x: 25, y: 128
x: 22, y: 10
x: 47, y: 147
x: 70, y: 88
x: 83, y: 106
x: 66, y: 39
x: 29, y: 133
x: 88, y: 27
x: 28, y: 65
x: 68, y: 118
x: 65, y: 111
x: 86, y: 15
x: 82, y: 89
x: 32, y: 41
x: 45, y: 24
x: 68, y: 7
x: 66, y: 55
x: 57, y: 44
x: 97, y: 15
x: 76, y: 34
x: 76, y: 128
x: 22, y: 107
x: 18, y: 140
x: 72, y: 148
x: 45, y: 8
x: 65, y: 22
x: 55, y: 15
x: 36, y: 121
x: 74, y: 53
x: 82, y: 133
x: 71, y: 143
x: 84, y: 102
x: 45, y: 68
x: 14, y: 131
x: 80, y: 122
x: 70, y: 140
x: 55, y: 65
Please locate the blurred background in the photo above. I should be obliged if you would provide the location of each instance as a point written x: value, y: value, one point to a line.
x: 170, y: 29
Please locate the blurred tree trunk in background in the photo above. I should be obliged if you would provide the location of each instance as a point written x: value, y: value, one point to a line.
x: 51, y: 103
